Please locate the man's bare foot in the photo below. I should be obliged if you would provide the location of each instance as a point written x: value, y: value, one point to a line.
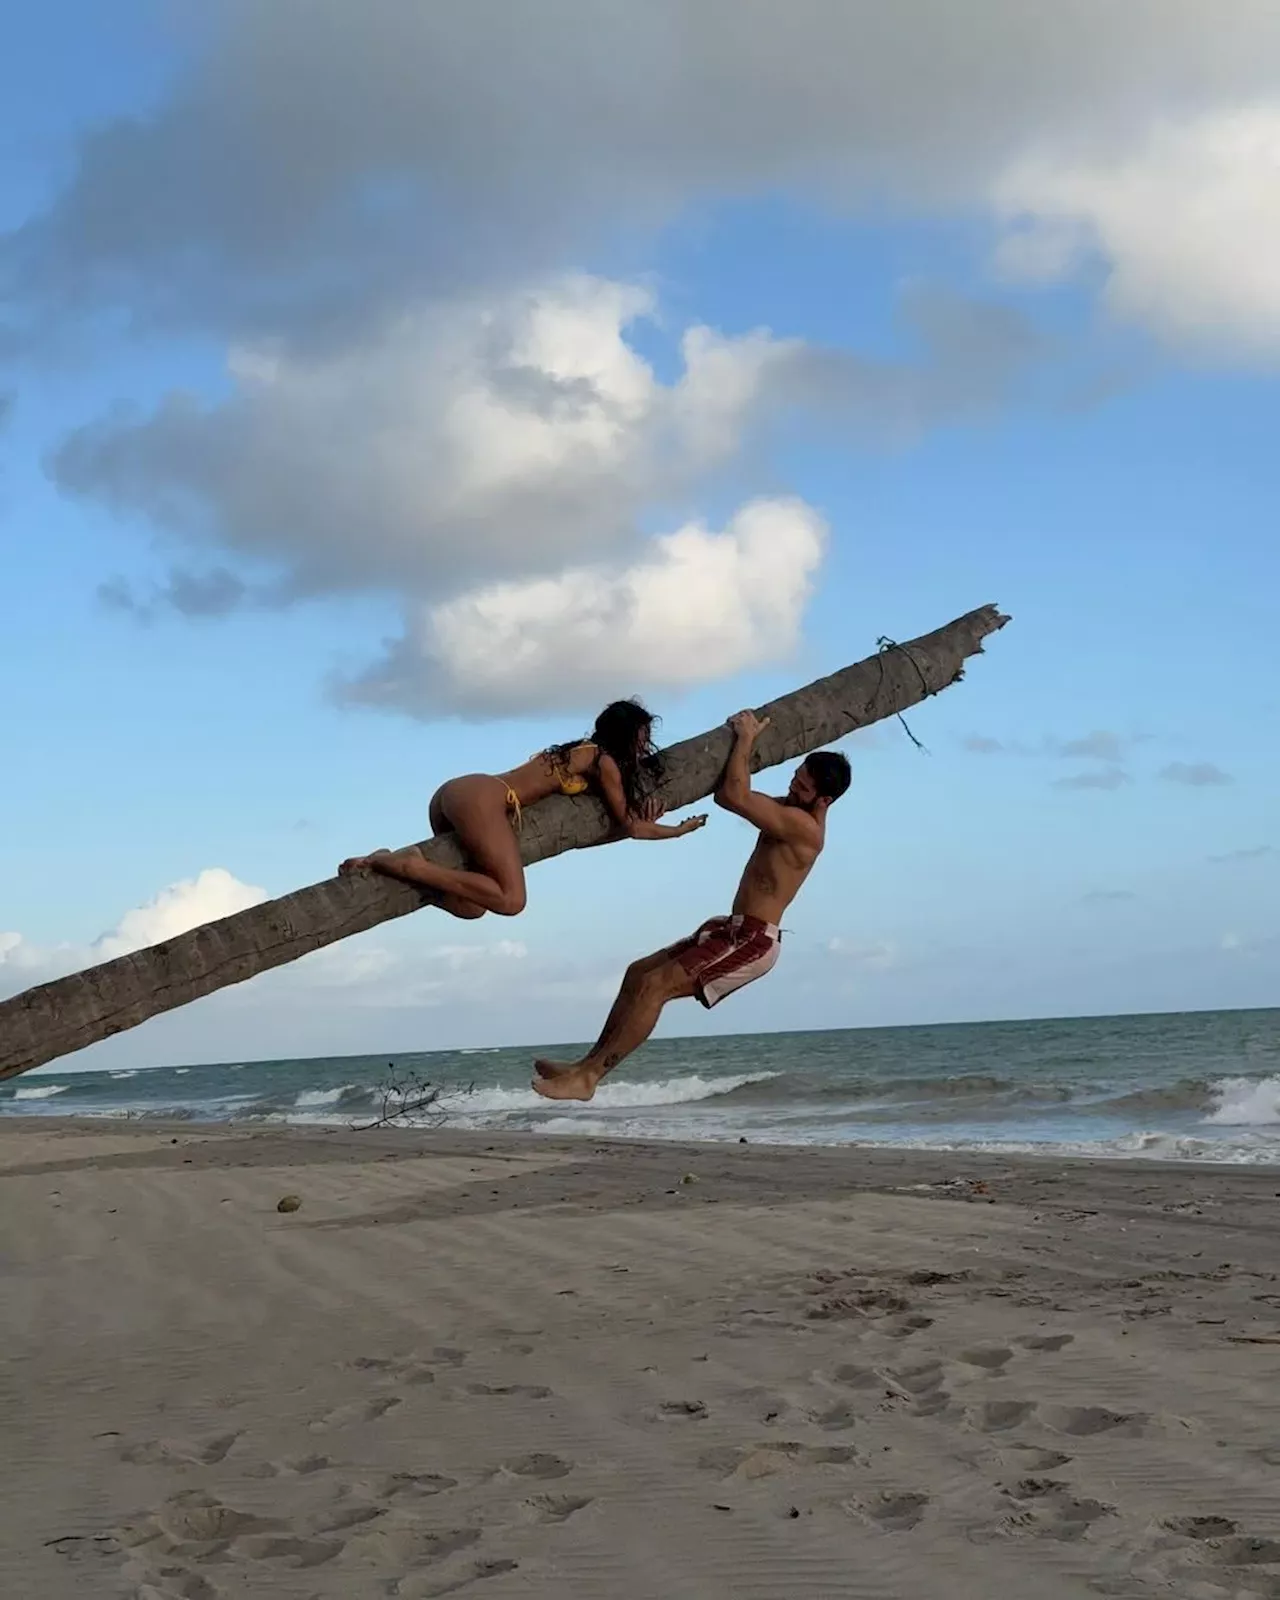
x: 555, y: 1081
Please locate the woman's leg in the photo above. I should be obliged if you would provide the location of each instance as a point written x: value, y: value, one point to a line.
x: 475, y: 808
x: 454, y: 904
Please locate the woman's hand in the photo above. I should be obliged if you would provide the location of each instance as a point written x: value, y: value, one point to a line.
x: 644, y: 824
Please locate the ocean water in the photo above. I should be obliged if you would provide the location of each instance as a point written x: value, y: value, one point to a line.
x: 1200, y: 1086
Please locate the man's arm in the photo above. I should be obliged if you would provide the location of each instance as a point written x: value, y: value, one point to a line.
x: 734, y: 792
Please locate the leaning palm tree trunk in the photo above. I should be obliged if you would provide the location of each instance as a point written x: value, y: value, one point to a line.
x: 70, y: 1013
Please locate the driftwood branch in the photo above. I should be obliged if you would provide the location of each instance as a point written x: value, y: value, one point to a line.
x: 406, y: 1097
x: 55, y: 1018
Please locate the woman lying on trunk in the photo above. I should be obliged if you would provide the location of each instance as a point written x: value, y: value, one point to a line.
x: 618, y: 762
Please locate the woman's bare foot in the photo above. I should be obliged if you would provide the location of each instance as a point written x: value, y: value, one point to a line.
x: 357, y: 863
x: 555, y: 1081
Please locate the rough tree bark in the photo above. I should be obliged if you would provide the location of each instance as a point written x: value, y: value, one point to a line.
x: 72, y: 1012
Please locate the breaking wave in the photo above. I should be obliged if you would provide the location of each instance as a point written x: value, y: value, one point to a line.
x: 1246, y: 1103
x: 1186, y: 1088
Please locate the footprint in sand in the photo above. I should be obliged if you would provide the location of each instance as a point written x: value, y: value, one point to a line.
x: 904, y: 1327
x: 343, y: 1518
x: 476, y: 1573
x: 1046, y: 1341
x: 1031, y: 1458
x: 350, y: 1415
x: 189, y: 1520
x: 298, y: 1466
x: 411, y: 1370
x: 537, y: 1465
x: 415, y: 1485
x: 921, y: 1385
x: 553, y: 1507
x: 854, y: 1377
x: 522, y: 1391
x: 1214, y: 1560
x: 836, y: 1418
x: 179, y: 1452
x: 199, y: 1519
x: 991, y: 1358
x: 761, y: 1404
x: 405, y: 1547
x: 416, y: 1373
x: 864, y: 1304
x: 765, y: 1460
x: 189, y: 1527
x: 1083, y: 1421
x: 681, y: 1411
x: 921, y: 1379
x: 997, y: 1415
x: 173, y: 1583
x: 1243, y: 1550
x: 891, y: 1510
x: 1046, y: 1509
x: 1200, y: 1527
x: 291, y: 1552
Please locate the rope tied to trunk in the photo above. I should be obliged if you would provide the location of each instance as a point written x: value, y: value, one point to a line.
x: 883, y: 645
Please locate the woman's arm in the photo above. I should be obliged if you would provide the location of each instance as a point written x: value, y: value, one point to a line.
x: 643, y: 827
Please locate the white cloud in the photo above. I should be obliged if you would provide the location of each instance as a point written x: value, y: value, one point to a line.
x: 495, y: 463
x: 361, y: 972
x: 469, y: 439
x: 352, y: 159
x: 697, y: 606
x: 1095, y: 778
x: 1196, y: 774
x: 212, y: 894
x: 353, y: 154
x: 1256, y: 852
x: 492, y: 463
x: 364, y: 974
x: 1100, y: 745
x: 1248, y: 945
x: 423, y: 401
x: 22, y: 963
x: 1185, y: 219
x: 878, y: 954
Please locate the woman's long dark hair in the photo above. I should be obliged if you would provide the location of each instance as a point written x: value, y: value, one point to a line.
x: 624, y: 730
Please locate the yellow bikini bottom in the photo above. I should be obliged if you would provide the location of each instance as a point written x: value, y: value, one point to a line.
x: 513, y: 806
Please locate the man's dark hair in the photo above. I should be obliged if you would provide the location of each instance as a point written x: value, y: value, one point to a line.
x: 830, y: 773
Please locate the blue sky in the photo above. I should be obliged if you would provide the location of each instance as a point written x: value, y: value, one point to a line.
x: 427, y: 307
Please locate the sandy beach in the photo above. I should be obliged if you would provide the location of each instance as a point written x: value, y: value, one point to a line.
x: 527, y: 1367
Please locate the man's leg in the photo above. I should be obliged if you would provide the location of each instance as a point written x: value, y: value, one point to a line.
x: 630, y: 983
x: 646, y: 988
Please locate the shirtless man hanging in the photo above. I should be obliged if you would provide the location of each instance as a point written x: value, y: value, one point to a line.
x: 726, y: 952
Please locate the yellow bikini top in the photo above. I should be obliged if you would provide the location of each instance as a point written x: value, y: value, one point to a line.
x: 573, y: 782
